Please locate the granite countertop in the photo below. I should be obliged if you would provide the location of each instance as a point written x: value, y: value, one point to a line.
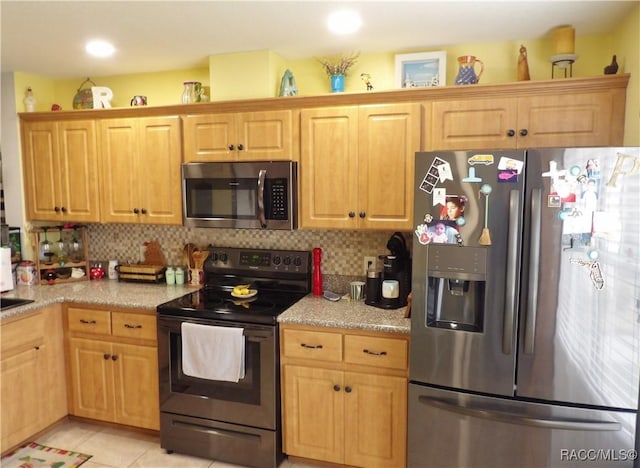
x: 317, y: 311
x: 310, y: 310
x: 102, y: 292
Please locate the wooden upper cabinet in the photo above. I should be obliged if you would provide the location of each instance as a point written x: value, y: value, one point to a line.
x: 545, y: 120
x: 247, y: 136
x: 356, y: 166
x: 60, y: 171
x: 141, y: 170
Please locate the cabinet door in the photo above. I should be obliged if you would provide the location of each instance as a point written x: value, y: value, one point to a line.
x: 21, y: 387
x: 91, y: 369
x: 55, y: 405
x: 118, y: 140
x: 389, y: 137
x: 41, y: 171
x: 78, y: 171
x: 375, y: 420
x: 265, y: 135
x: 565, y: 120
x: 473, y: 124
x: 209, y: 137
x: 136, y: 385
x: 329, y: 168
x: 158, y: 181
x: 313, y: 413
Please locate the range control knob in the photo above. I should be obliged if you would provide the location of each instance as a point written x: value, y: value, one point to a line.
x: 297, y: 261
x: 214, y: 256
x: 224, y: 257
x: 277, y: 260
x: 287, y: 260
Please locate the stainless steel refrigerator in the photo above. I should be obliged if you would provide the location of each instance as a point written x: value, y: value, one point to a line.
x: 525, y: 326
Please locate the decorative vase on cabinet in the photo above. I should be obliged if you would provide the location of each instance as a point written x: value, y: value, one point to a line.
x: 337, y: 83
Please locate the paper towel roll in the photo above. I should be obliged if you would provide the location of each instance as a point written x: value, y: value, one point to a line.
x: 6, y: 277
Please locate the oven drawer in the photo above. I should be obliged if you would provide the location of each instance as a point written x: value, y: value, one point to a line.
x: 134, y: 325
x: 374, y: 351
x: 89, y: 320
x: 320, y: 346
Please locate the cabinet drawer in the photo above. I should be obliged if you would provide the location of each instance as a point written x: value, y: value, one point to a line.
x: 134, y: 325
x: 321, y: 346
x: 374, y: 351
x: 89, y: 321
x: 27, y: 332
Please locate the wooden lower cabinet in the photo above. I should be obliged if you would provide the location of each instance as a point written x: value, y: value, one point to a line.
x: 350, y: 410
x: 113, y: 366
x: 33, y: 390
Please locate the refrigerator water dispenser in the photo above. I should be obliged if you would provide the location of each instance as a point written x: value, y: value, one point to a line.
x: 456, y: 278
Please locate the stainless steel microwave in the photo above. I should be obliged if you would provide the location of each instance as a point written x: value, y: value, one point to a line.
x: 245, y: 195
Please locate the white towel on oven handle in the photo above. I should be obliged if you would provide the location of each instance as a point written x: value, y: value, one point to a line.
x: 212, y: 353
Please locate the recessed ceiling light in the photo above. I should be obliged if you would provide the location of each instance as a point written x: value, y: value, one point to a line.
x: 344, y: 22
x: 99, y: 48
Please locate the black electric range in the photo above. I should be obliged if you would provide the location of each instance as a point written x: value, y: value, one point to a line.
x: 279, y: 279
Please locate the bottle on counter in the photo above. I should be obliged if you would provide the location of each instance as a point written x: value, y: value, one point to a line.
x: 317, y: 272
x: 179, y: 275
x: 170, y: 274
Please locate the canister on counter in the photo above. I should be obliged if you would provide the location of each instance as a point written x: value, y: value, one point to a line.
x: 26, y: 273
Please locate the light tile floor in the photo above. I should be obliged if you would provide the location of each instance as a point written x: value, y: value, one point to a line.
x: 121, y: 448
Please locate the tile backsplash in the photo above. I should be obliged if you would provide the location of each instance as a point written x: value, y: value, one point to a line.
x: 342, y: 251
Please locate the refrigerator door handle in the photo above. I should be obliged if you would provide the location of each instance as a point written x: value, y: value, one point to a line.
x: 511, y: 418
x: 511, y: 295
x: 534, y: 267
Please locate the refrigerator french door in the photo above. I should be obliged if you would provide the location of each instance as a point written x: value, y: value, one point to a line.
x: 525, y: 345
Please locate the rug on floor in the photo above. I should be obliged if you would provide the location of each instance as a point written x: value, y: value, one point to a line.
x: 33, y: 455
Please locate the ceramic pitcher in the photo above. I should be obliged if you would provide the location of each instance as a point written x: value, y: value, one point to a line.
x: 466, y: 72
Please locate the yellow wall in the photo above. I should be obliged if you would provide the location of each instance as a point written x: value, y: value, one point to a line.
x: 258, y: 73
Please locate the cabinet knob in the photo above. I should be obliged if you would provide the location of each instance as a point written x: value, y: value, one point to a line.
x: 114, y: 357
x: 143, y: 211
x: 362, y: 214
x: 352, y: 214
x: 523, y: 132
x: 240, y: 147
x: 347, y: 389
x: 136, y: 210
x: 64, y: 210
x: 336, y: 388
x: 231, y: 147
x: 56, y: 209
x: 511, y: 132
x: 106, y: 356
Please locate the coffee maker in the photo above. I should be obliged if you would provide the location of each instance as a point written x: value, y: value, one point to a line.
x: 389, y: 288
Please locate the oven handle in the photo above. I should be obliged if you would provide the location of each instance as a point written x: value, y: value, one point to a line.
x: 261, y: 216
x: 217, y: 431
x: 172, y: 325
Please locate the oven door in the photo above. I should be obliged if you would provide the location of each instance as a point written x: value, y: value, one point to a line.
x: 252, y: 401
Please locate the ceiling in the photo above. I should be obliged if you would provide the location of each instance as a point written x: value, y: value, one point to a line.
x: 47, y: 37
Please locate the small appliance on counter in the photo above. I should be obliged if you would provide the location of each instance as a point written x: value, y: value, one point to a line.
x: 389, y: 288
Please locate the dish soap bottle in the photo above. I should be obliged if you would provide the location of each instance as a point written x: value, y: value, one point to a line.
x: 29, y: 100
x: 317, y: 273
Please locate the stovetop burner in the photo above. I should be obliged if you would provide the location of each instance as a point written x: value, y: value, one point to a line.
x: 280, y: 278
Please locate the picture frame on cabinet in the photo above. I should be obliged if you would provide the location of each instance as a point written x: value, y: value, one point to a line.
x: 419, y: 70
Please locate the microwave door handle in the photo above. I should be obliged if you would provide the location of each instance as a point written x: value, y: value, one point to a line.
x: 261, y: 216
